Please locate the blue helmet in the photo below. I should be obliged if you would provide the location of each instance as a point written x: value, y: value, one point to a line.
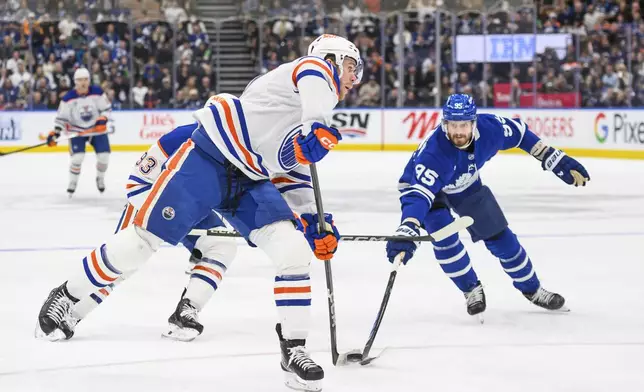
x: 459, y: 107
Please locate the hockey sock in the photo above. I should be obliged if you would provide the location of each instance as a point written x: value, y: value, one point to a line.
x: 455, y: 262
x: 102, y: 160
x: 450, y: 252
x: 293, y: 301
x: 205, y: 278
x: 514, y: 260
x: 125, y: 251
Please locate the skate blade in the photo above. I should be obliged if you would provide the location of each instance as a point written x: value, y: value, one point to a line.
x: 180, y: 334
x: 563, y: 309
x: 480, y: 318
x: 292, y: 381
x: 56, y: 336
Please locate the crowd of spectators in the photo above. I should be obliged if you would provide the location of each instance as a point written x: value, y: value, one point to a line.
x: 163, y: 60
x: 160, y: 56
x: 603, y: 61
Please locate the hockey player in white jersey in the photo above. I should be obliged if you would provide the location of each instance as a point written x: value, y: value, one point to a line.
x: 248, y: 160
x: 211, y: 256
x: 84, y: 111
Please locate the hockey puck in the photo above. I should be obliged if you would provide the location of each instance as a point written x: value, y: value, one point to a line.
x: 354, y: 357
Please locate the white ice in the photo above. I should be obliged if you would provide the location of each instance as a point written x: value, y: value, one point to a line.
x: 586, y: 243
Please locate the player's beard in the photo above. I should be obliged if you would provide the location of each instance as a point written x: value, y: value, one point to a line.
x: 461, y: 140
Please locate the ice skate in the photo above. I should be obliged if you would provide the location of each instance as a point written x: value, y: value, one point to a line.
x: 300, y: 372
x: 56, y: 320
x: 547, y: 300
x: 100, y: 184
x: 183, y: 324
x: 71, y: 188
x: 476, y: 302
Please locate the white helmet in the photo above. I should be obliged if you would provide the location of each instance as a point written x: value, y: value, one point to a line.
x: 340, y: 48
x: 81, y: 73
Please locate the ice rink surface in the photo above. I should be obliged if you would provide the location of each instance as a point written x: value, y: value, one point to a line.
x: 586, y: 243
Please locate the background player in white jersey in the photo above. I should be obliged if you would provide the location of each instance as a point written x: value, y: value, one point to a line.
x: 443, y: 174
x: 211, y: 255
x: 274, y: 131
x: 84, y: 110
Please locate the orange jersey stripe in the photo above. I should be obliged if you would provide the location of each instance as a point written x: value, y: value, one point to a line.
x: 290, y: 290
x: 98, y: 269
x: 279, y: 180
x: 104, y: 292
x: 208, y: 269
x: 161, y: 148
x: 231, y: 125
x: 325, y: 68
x: 128, y: 215
x: 140, y: 216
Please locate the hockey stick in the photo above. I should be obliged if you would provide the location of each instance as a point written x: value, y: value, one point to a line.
x: 2, y: 154
x: 336, y: 358
x: 217, y: 232
x: 453, y: 228
x: 60, y: 139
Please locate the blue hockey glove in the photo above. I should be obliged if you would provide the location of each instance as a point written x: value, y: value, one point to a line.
x: 406, y: 229
x: 568, y: 169
x: 323, y: 244
x: 314, y: 146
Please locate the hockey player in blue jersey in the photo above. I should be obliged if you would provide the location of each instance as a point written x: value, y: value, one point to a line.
x: 443, y: 174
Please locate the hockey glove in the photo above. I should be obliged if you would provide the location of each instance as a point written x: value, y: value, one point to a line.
x: 101, y: 125
x: 568, y: 169
x: 323, y: 244
x: 409, y: 228
x: 52, y: 138
x: 314, y: 146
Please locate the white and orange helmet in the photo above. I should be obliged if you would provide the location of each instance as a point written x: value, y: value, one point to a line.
x: 340, y: 48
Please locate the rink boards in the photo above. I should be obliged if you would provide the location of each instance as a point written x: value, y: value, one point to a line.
x: 582, y: 132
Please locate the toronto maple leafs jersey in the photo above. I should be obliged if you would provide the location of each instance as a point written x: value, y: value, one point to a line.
x: 148, y: 168
x: 438, y: 166
x: 78, y: 113
x: 255, y: 132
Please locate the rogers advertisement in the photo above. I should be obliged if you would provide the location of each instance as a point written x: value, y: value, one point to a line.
x: 502, y: 92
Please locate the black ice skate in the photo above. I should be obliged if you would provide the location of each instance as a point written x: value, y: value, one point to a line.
x: 100, y: 184
x: 183, y: 324
x: 547, y: 300
x: 476, y: 301
x: 300, y: 371
x: 56, y: 320
x: 71, y: 188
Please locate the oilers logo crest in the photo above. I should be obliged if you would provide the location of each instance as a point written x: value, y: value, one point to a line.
x: 286, y: 152
x: 85, y: 113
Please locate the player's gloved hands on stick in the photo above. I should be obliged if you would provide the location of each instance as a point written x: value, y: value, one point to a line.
x: 101, y: 125
x: 52, y: 138
x: 409, y: 228
x: 323, y: 244
x: 568, y: 169
x: 314, y: 146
